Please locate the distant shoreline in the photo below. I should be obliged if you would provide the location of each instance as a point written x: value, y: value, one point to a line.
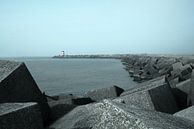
x: 119, y: 56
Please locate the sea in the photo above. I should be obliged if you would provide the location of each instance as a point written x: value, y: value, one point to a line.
x: 76, y: 76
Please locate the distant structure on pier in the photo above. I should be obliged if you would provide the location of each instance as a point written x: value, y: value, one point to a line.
x: 61, y: 55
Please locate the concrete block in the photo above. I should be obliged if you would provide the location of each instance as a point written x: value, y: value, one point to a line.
x: 69, y: 99
x: 146, y: 85
x: 183, y: 72
x: 58, y: 110
x: 187, y: 113
x: 192, y: 65
x: 191, y: 95
x: 181, y: 93
x: 184, y: 86
x: 165, y: 62
x: 104, y: 93
x: 186, y: 72
x: 177, y: 66
x: 20, y: 116
x: 159, y: 98
x: 173, y: 82
x: 17, y: 85
x: 112, y: 115
x: 64, y: 104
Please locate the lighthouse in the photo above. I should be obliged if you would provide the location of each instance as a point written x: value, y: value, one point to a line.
x: 62, y: 53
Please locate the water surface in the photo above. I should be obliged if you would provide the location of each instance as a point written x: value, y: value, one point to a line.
x: 55, y: 76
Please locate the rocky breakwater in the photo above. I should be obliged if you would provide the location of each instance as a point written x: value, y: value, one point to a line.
x: 163, y: 100
x: 143, y: 68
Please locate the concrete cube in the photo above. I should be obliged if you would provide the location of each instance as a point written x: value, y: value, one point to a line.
x: 104, y: 93
x: 112, y: 115
x: 191, y: 95
x: 159, y: 98
x: 20, y: 116
x: 146, y: 85
x: 181, y: 93
x: 17, y: 85
x: 187, y: 113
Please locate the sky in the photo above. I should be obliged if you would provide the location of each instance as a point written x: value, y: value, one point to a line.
x: 46, y: 27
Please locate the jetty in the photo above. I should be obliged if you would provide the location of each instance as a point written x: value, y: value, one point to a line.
x: 87, y: 56
x: 162, y: 99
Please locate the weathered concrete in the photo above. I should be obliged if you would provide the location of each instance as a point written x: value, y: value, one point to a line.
x: 158, y: 98
x: 181, y: 71
x: 177, y: 68
x: 192, y: 65
x: 146, y: 85
x: 187, y: 113
x: 104, y: 93
x: 63, y: 103
x: 17, y: 85
x: 186, y: 72
x: 181, y: 93
x: 20, y: 116
x: 164, y: 62
x: 58, y: 110
x: 173, y: 82
x: 111, y: 115
x: 191, y: 95
x: 184, y: 86
x: 68, y: 99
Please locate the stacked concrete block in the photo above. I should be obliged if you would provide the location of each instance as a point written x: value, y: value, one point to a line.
x: 112, y: 115
x: 20, y: 116
x: 104, y: 93
x: 157, y: 98
x: 181, y: 71
x: 17, y: 85
x: 173, y: 82
x: 187, y: 113
x: 63, y: 103
x: 191, y: 95
x: 146, y: 85
x: 177, y: 68
x: 181, y: 93
x: 184, y: 86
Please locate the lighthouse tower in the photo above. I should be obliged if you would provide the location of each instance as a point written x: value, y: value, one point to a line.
x: 62, y: 53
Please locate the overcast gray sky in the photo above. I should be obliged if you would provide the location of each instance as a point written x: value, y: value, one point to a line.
x: 45, y: 27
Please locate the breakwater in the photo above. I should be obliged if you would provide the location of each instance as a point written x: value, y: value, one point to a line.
x: 96, y: 56
x: 143, y: 68
x: 163, y: 99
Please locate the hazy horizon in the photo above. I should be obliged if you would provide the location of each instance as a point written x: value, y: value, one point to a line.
x: 45, y: 28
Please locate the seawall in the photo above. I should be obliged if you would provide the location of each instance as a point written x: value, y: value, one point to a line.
x: 163, y: 99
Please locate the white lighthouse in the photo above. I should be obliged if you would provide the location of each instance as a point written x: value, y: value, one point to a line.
x: 62, y: 53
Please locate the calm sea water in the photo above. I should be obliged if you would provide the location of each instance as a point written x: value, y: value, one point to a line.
x: 55, y: 76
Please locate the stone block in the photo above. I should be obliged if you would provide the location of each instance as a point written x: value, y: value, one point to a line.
x: 17, y: 85
x: 165, y: 62
x: 20, y: 116
x: 58, y: 110
x: 64, y: 104
x: 112, y: 115
x: 186, y: 72
x: 68, y: 99
x: 172, y: 82
x: 159, y: 98
x: 191, y: 95
x: 183, y: 72
x: 146, y: 85
x: 184, y: 86
x: 192, y: 65
x: 187, y: 113
x: 181, y: 93
x: 104, y: 93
